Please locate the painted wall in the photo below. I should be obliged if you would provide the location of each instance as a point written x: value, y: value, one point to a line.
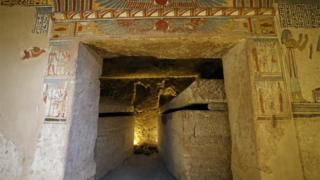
x: 273, y: 105
x: 307, y: 127
x: 276, y: 142
x: 21, y: 105
x: 305, y: 35
x: 58, y: 90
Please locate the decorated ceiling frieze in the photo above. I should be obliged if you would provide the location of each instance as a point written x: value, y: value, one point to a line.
x: 84, y: 5
x: 134, y: 9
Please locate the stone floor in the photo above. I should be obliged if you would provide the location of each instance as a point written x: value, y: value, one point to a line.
x: 141, y: 167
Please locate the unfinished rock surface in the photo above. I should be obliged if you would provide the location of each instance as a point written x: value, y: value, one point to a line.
x: 201, y: 91
x: 114, y: 143
x: 196, y: 145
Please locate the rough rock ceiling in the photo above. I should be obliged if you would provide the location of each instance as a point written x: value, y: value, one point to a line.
x: 139, y: 67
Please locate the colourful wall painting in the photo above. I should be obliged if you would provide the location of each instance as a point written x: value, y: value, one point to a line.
x: 24, y: 2
x: 42, y: 18
x: 269, y: 84
x: 83, y: 5
x: 135, y: 4
x: 55, y: 97
x: 264, y: 26
x: 72, y: 5
x: 136, y: 9
x: 291, y: 45
x: 60, y: 61
x: 264, y: 55
x: 59, y: 74
x: 162, y: 26
x: 271, y: 98
x: 32, y: 53
x: 63, y: 30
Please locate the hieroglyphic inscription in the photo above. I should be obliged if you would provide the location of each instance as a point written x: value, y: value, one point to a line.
x: 60, y: 62
x: 41, y: 24
x: 316, y: 95
x: 270, y: 91
x: 58, y: 77
x: 299, y: 15
x: 54, y: 97
x: 23, y: 2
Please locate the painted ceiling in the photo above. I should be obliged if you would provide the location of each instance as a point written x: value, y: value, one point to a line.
x: 84, y: 5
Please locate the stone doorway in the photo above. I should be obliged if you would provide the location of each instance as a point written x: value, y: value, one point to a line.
x: 139, y: 98
x: 77, y: 151
x: 136, y: 92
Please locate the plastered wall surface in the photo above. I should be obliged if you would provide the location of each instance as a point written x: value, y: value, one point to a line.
x: 114, y: 143
x: 308, y: 137
x: 21, y: 105
x: 49, y: 158
x: 307, y: 59
x: 307, y: 130
x: 278, y: 150
x: 11, y: 162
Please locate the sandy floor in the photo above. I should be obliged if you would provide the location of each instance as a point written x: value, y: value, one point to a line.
x: 141, y: 167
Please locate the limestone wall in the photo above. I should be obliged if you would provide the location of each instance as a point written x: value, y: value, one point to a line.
x: 114, y: 143
x: 21, y: 77
x: 196, y: 144
x: 201, y: 91
x: 79, y: 163
x: 240, y: 108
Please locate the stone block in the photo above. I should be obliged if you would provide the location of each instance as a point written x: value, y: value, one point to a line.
x: 201, y: 91
x: 114, y: 143
x: 196, y: 144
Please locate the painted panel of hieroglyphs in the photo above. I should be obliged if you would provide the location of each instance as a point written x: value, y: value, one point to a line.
x: 299, y: 15
x: 54, y: 97
x: 41, y: 24
x: 59, y: 74
x: 270, y: 91
x: 24, y: 2
x: 60, y: 61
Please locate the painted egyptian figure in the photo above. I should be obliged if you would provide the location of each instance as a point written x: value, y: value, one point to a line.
x: 291, y: 44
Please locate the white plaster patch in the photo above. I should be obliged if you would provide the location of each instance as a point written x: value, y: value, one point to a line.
x: 49, y: 158
x: 10, y: 160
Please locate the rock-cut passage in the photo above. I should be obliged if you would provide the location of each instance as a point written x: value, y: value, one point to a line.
x: 141, y: 167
